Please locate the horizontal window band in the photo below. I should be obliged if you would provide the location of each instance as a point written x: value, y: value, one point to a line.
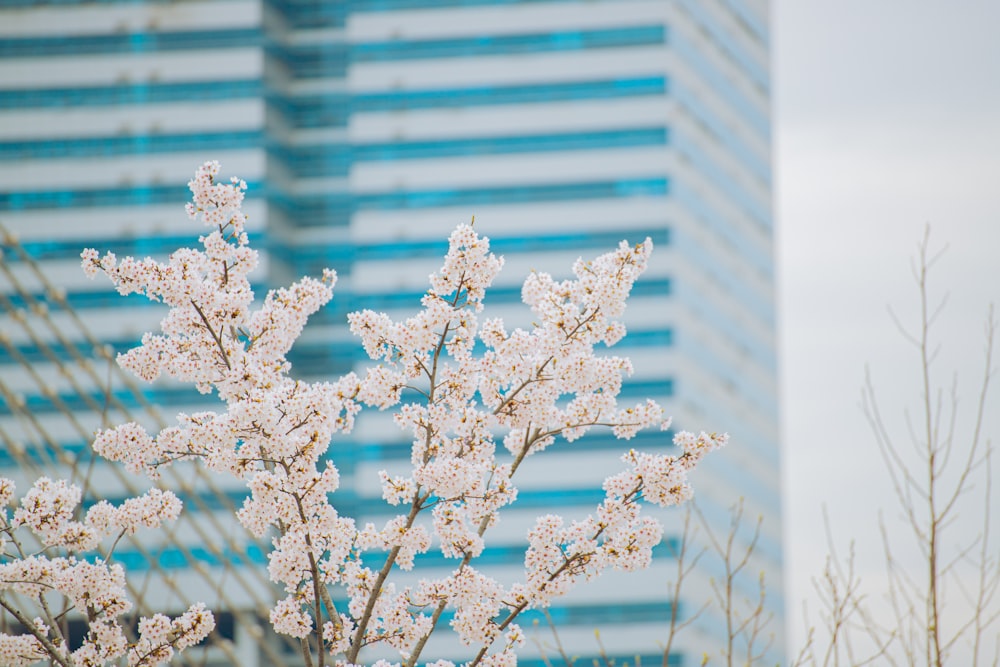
x: 334, y: 109
x: 54, y: 351
x: 108, y: 298
x: 465, y: 47
x: 123, y: 43
x: 142, y: 195
x: 44, y: 251
x: 489, y: 95
x: 309, y: 13
x: 301, y: 16
x: 311, y: 259
x: 525, y: 143
x: 130, y: 93
x: 388, y: 5
x: 137, y: 144
x: 321, y: 210
x: 337, y: 160
x: 4, y: 4
x: 332, y: 59
x: 95, y: 400
x: 328, y: 59
x: 312, y: 15
x: 338, y: 207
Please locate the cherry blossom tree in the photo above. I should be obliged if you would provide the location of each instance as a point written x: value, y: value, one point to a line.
x: 34, y: 579
x: 523, y: 391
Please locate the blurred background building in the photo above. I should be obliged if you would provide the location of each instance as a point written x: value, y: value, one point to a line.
x: 367, y: 130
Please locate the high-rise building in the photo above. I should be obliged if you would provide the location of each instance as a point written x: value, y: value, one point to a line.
x: 367, y: 130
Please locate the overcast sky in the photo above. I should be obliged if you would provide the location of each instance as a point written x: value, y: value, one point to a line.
x: 887, y: 118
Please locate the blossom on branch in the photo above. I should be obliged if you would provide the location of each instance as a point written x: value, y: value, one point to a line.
x: 458, y: 384
x: 89, y: 583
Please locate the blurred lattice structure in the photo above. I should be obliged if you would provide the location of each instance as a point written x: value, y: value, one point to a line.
x: 59, y: 382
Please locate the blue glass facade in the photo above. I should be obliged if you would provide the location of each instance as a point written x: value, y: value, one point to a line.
x: 631, y: 120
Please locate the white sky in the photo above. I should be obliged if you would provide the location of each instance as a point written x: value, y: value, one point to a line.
x: 887, y: 118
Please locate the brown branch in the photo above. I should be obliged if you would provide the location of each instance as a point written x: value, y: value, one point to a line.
x: 390, y: 560
x: 684, y: 568
x: 51, y: 648
x: 216, y: 337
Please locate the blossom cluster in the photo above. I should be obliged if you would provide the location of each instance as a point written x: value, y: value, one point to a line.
x: 526, y: 389
x: 89, y: 583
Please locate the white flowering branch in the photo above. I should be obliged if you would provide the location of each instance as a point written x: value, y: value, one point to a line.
x: 88, y: 583
x: 531, y: 386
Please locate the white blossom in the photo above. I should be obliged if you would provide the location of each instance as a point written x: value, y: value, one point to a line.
x: 531, y: 388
